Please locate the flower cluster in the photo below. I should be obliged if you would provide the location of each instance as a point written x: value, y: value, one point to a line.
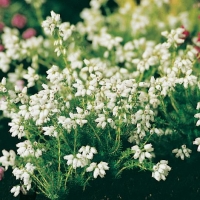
x: 99, y: 169
x: 161, y: 170
x: 182, y: 152
x: 51, y: 23
x: 142, y: 154
x: 82, y: 158
x: 8, y: 158
x: 197, y: 115
x: 23, y: 174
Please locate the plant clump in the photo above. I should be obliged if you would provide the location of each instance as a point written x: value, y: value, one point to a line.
x: 119, y: 90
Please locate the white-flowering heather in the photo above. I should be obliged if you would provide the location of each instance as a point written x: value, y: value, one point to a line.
x: 51, y: 23
x: 8, y: 158
x: 114, y: 92
x: 31, y: 77
x: 161, y: 170
x: 141, y: 154
x: 197, y: 115
x: 82, y: 158
x: 98, y: 169
x: 182, y: 152
x: 15, y: 190
x: 24, y: 174
x: 197, y: 142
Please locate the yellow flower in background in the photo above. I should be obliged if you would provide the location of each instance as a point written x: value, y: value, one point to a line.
x: 121, y: 3
x: 176, y: 6
x: 175, y: 2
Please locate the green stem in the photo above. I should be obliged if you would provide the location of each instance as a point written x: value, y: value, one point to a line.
x: 86, y: 182
x: 121, y: 158
x: 140, y: 77
x: 39, y: 15
x: 44, y: 63
x: 41, y: 175
x: 120, y: 171
x: 117, y: 140
x: 59, y: 159
x: 67, y: 176
x: 75, y: 140
x: 95, y: 133
x: 173, y: 103
x: 147, y: 139
x: 40, y: 185
x: 163, y: 108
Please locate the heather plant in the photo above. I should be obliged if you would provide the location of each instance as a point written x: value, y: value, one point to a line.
x: 121, y: 91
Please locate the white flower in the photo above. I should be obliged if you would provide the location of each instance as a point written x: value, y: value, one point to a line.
x: 198, y: 117
x: 31, y: 77
x: 66, y: 30
x: 2, y: 85
x: 4, y: 62
x: 3, y: 81
x: 17, y: 129
x: 54, y: 76
x: 88, y: 152
x: 101, y: 120
x: 51, y: 23
x: 182, y: 152
x: 161, y: 170
x: 50, y: 131
x: 24, y: 174
x: 30, y: 167
x: 15, y: 190
x: 141, y: 154
x: 36, y: 3
x: 8, y: 158
x: 26, y: 149
x: 17, y: 172
x: 197, y: 142
x: 175, y: 37
x: 139, y: 22
x: 96, y: 4
x: 82, y: 158
x: 198, y: 106
x: 69, y: 159
x: 98, y: 169
x: 76, y: 161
